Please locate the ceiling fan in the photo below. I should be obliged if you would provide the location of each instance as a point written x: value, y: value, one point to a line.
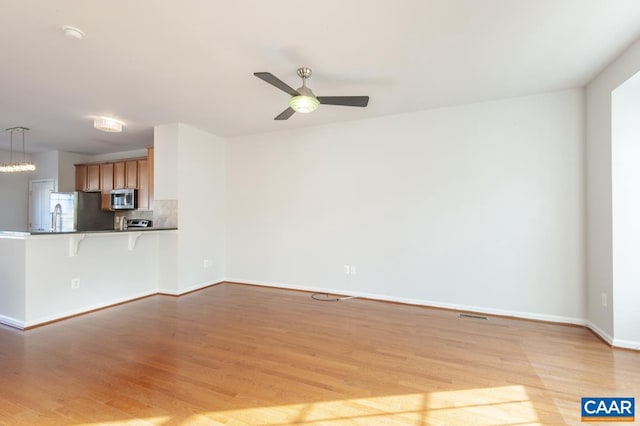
x: 303, y: 100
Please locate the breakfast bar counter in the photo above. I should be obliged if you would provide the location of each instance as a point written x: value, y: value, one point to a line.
x: 49, y: 276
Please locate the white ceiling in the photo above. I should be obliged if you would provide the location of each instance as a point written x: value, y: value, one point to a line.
x: 151, y: 62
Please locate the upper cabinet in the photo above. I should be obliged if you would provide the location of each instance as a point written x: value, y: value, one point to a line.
x: 88, y: 177
x: 118, y: 175
x: 106, y: 176
x: 131, y: 174
x: 150, y: 165
x: 81, y: 177
x: 134, y: 173
x: 143, y: 184
x: 93, y: 178
x: 106, y: 185
x: 125, y: 174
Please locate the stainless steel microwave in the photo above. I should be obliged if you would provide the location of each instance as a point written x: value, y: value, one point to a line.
x: 124, y: 199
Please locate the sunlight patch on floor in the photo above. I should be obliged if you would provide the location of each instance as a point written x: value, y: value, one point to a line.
x: 149, y: 421
x: 494, y: 406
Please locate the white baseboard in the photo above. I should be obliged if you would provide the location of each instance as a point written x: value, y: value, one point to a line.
x: 182, y: 291
x: 600, y: 332
x: 479, y: 309
x: 419, y: 302
x: 11, y: 322
x: 456, y: 307
x: 627, y: 344
x: 85, y: 309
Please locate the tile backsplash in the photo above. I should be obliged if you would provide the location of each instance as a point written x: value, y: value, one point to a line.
x: 163, y: 215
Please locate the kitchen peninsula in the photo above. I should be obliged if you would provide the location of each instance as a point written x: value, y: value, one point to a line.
x: 51, y: 276
x: 188, y: 187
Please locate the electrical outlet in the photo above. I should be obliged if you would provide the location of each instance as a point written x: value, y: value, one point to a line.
x: 604, y: 299
x: 353, y: 270
x: 207, y: 263
x: 347, y: 269
x: 75, y: 283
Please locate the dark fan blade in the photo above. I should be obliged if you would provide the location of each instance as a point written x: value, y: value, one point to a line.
x: 275, y: 81
x: 284, y: 115
x: 357, y: 101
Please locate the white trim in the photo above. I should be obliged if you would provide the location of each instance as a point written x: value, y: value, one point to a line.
x: 618, y: 343
x: 11, y: 322
x: 419, y: 302
x: 87, y: 309
x: 190, y: 289
x: 600, y: 332
x: 626, y: 344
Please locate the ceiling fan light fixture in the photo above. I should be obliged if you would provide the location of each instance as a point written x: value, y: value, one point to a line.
x: 304, y: 104
x: 303, y: 99
x: 108, y: 124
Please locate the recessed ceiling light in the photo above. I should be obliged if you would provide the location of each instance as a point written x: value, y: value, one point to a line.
x: 108, y: 124
x: 73, y: 32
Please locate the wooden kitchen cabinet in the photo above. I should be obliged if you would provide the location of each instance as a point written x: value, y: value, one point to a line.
x: 150, y: 165
x: 118, y: 175
x: 81, y: 177
x: 88, y: 177
x: 93, y: 178
x: 131, y: 173
x: 106, y: 185
x: 134, y: 173
x: 143, y: 184
x: 125, y: 174
x: 106, y: 176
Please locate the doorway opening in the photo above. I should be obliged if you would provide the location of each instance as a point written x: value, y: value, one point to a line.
x: 39, y: 214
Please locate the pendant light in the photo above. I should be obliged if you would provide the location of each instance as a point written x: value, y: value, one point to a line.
x: 24, y: 166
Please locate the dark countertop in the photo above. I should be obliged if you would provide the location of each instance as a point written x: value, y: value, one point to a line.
x: 104, y: 231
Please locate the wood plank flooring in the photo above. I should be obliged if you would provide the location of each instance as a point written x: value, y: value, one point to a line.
x: 237, y: 354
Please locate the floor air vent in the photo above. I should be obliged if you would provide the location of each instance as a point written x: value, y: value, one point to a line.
x: 472, y: 316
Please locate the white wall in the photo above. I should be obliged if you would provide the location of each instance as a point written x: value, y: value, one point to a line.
x: 54, y: 165
x: 12, y: 291
x: 190, y: 167
x: 201, y: 209
x: 67, y: 170
x: 479, y: 206
x: 59, y: 166
x: 165, y: 158
x: 599, y: 187
x: 14, y: 191
x: 46, y: 166
x: 626, y: 211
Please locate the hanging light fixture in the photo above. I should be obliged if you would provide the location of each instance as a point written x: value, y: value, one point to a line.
x: 306, y: 101
x: 24, y: 166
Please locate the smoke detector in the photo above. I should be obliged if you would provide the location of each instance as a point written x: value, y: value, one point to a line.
x: 73, y: 32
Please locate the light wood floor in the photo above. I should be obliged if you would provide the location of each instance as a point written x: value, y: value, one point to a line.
x: 236, y: 354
